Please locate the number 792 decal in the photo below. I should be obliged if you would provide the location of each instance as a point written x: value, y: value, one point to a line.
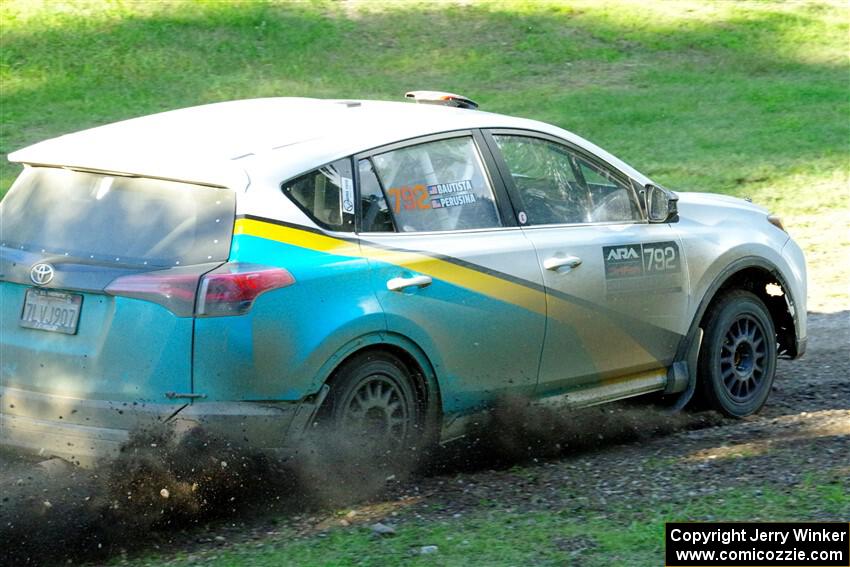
x: 638, y: 267
x: 439, y: 196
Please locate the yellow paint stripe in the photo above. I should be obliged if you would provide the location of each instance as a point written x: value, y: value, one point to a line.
x: 296, y: 237
x: 469, y: 278
x: 487, y: 284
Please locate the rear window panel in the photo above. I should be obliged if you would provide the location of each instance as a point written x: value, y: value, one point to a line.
x: 326, y: 195
x: 115, y: 219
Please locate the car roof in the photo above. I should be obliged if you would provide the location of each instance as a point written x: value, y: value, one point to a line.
x: 222, y: 143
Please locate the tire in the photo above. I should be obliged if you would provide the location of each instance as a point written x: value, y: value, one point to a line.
x: 372, y: 410
x: 737, y: 361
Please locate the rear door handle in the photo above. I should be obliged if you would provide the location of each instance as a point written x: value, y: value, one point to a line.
x: 400, y: 284
x: 561, y: 264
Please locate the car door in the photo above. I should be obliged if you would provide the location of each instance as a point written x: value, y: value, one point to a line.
x: 451, y: 270
x: 615, y: 285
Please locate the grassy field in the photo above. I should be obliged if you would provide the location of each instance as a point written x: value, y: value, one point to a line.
x: 740, y: 98
x: 748, y: 99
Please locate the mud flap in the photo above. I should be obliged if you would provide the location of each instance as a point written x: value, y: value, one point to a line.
x: 678, y: 378
x: 692, y: 360
x: 304, y: 416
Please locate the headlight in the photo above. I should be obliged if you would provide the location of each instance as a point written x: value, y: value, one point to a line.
x: 776, y: 221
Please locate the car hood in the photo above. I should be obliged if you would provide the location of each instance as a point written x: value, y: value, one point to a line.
x: 694, y: 202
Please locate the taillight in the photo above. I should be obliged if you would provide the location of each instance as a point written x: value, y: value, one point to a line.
x: 232, y: 288
x: 174, y: 291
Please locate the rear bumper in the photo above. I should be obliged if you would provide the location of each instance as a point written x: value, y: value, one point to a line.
x: 85, y: 431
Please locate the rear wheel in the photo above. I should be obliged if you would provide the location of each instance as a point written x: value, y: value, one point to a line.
x: 373, y: 409
x: 737, y: 361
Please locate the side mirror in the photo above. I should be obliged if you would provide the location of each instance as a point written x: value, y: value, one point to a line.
x: 661, y: 205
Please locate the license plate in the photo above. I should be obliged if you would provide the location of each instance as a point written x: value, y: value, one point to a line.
x: 51, y: 310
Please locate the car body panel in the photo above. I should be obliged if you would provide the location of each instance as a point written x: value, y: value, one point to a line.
x: 273, y: 351
x: 610, y: 324
x: 718, y: 231
x: 270, y: 137
x: 485, y: 295
x: 91, y: 430
x: 481, y: 320
x: 125, y: 350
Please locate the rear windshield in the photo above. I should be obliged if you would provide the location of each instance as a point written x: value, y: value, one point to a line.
x: 127, y: 220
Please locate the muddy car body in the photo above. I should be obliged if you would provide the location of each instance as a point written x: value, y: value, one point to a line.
x: 254, y: 265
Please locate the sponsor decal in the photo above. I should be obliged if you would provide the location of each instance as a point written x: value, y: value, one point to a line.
x: 453, y: 201
x: 622, y: 253
x: 623, y: 261
x: 463, y: 186
x: 654, y: 266
x: 347, y: 195
x: 456, y: 193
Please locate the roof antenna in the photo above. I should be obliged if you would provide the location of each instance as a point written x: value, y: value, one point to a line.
x: 442, y: 98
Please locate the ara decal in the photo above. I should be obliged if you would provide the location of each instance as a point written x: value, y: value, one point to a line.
x: 653, y: 266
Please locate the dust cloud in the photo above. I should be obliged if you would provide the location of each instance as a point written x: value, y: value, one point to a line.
x: 157, y: 484
x: 519, y: 430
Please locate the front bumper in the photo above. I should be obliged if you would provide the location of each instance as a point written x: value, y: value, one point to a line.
x: 797, y: 290
x: 84, y: 431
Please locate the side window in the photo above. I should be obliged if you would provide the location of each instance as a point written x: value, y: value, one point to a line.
x: 434, y: 186
x: 326, y: 195
x: 545, y: 180
x: 556, y: 186
x: 610, y: 199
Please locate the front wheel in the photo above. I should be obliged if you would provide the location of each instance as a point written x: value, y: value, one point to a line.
x: 737, y: 361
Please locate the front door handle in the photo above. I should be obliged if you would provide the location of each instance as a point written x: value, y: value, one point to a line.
x: 561, y: 264
x: 400, y: 284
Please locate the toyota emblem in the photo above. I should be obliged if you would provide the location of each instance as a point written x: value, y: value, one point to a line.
x: 42, y: 274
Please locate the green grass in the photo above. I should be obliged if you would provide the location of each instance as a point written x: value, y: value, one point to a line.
x: 498, y: 537
x: 742, y: 98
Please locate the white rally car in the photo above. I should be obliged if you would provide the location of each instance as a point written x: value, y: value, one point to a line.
x: 388, y: 268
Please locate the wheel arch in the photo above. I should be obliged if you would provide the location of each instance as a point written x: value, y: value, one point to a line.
x: 753, y: 274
